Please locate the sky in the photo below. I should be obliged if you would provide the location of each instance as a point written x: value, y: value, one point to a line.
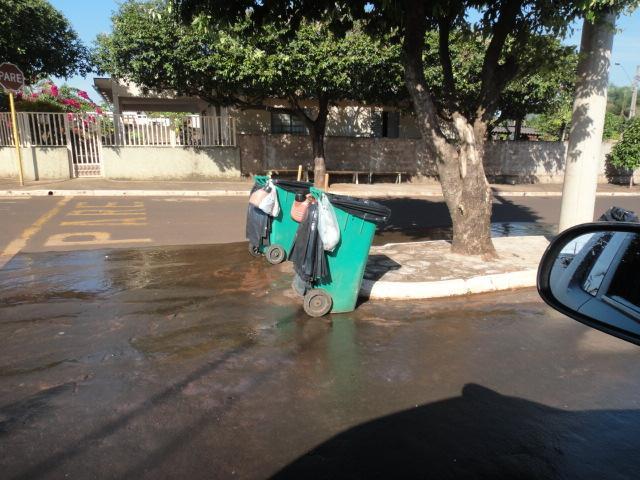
x: 91, y: 17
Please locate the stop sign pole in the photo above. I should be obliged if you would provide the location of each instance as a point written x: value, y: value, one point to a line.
x: 12, y: 79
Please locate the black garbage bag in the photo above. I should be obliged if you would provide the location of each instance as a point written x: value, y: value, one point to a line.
x: 617, y: 214
x: 258, y: 226
x: 362, y: 208
x: 293, y: 186
x: 307, y: 253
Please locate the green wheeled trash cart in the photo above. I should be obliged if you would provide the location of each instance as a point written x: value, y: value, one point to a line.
x: 256, y: 245
x: 283, y: 227
x: 358, y: 220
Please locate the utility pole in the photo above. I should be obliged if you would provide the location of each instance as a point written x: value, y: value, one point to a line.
x: 634, y: 93
x: 587, y: 122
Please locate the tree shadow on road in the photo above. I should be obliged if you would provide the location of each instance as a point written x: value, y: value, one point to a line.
x: 480, y: 434
x: 425, y: 219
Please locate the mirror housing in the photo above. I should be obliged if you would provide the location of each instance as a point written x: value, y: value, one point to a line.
x: 591, y: 273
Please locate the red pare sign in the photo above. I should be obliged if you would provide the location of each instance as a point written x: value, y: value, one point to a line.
x: 11, y: 77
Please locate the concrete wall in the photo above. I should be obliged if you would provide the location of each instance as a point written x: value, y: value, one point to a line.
x: 158, y: 163
x: 38, y: 163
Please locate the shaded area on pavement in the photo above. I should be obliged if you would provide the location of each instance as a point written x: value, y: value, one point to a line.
x: 480, y: 434
x: 418, y: 219
x: 198, y: 362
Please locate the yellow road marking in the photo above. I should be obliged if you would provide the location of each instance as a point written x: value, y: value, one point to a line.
x: 136, y: 204
x: 96, y: 238
x: 19, y: 243
x: 104, y: 213
x: 107, y: 214
x: 107, y: 222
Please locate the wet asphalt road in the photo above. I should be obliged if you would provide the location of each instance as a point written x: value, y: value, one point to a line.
x: 197, y: 362
x: 83, y: 223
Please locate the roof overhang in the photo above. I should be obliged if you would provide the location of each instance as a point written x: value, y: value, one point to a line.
x: 130, y: 97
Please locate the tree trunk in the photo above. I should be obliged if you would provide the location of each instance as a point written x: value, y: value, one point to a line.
x: 563, y: 131
x: 460, y: 168
x: 319, y: 167
x: 467, y: 192
x: 517, y: 129
x: 317, y: 129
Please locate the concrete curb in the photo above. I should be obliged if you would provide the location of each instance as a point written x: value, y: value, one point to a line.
x: 124, y: 193
x: 496, y: 194
x: 448, y: 288
x: 244, y: 193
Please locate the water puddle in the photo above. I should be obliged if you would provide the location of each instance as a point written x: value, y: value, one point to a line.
x: 498, y: 229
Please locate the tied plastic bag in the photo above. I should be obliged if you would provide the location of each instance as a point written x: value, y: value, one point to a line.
x: 300, y: 207
x: 257, y: 196
x: 269, y: 204
x: 328, y: 227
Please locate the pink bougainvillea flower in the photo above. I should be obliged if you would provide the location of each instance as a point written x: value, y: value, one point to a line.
x: 19, y: 95
x: 83, y: 94
x: 98, y: 110
x: 71, y: 103
x: 54, y: 91
x: 70, y: 116
x: 34, y: 95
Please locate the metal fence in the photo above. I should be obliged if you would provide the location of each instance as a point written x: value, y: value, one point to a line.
x: 81, y: 131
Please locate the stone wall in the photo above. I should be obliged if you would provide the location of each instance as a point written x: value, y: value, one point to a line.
x: 505, y: 161
x: 271, y: 152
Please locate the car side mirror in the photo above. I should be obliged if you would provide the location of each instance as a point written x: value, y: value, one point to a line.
x: 591, y: 273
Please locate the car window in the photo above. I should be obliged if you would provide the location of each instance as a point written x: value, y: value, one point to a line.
x: 625, y: 285
x: 600, y: 259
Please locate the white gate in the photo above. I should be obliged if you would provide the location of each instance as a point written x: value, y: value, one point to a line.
x: 86, y: 147
x: 79, y: 132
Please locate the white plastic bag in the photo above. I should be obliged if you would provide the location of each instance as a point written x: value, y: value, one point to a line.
x: 327, y: 224
x: 270, y: 204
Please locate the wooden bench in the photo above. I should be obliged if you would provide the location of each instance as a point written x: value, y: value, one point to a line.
x: 305, y: 173
x: 356, y: 174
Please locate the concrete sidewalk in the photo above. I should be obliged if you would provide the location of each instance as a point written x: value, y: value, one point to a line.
x: 240, y: 187
x: 423, y: 270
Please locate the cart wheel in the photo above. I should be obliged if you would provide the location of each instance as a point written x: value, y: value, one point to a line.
x: 254, y: 251
x: 275, y: 254
x: 317, y: 303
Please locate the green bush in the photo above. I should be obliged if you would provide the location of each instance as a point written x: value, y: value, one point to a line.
x: 626, y: 153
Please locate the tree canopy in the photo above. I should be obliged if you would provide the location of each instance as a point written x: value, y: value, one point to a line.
x: 241, y: 63
x: 247, y: 64
x: 40, y: 40
x: 540, y: 88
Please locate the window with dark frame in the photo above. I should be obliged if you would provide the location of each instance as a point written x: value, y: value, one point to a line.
x: 287, y: 123
x: 386, y: 124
